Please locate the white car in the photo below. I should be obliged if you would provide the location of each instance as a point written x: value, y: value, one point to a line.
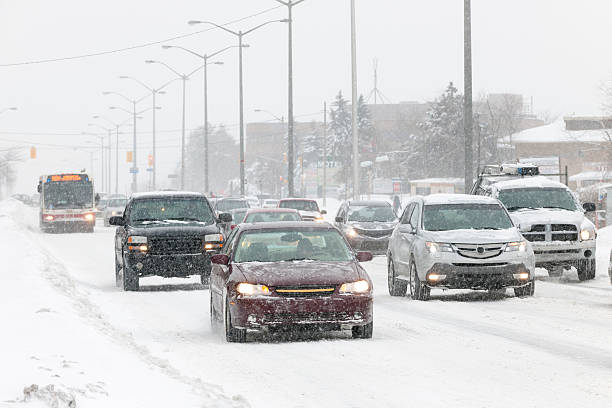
x: 270, y: 203
x: 457, y: 241
x: 551, y: 218
x: 253, y: 202
x: 114, y: 208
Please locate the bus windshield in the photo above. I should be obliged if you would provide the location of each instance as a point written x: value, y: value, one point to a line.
x: 68, y: 194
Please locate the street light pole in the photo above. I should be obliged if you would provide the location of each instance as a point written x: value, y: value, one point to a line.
x: 290, y: 124
x: 240, y: 35
x: 324, y: 154
x: 355, y: 129
x: 467, y: 104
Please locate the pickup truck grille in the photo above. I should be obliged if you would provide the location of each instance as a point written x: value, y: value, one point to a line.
x: 552, y: 232
x: 175, y: 246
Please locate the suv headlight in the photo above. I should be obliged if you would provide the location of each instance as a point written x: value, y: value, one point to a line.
x: 519, y: 246
x: 587, y: 234
x: 248, y: 289
x: 435, y: 247
x: 350, y: 231
x: 362, y: 286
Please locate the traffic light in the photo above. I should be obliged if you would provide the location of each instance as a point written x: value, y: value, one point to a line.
x: 130, y: 157
x: 150, y: 160
x: 32, y: 152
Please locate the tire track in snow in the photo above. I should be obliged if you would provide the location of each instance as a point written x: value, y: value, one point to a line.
x: 55, y: 272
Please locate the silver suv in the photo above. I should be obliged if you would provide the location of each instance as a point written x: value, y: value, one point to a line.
x: 456, y: 241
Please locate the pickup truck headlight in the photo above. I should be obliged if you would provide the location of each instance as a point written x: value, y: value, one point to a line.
x: 435, y: 247
x: 362, y: 286
x: 135, y: 239
x: 213, y: 241
x: 587, y: 234
x: 519, y: 246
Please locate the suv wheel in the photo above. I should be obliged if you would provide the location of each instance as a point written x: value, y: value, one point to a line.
x: 232, y: 334
x: 418, y: 290
x: 525, y: 291
x: 363, y: 332
x: 586, y: 269
x: 397, y: 287
x: 130, y: 279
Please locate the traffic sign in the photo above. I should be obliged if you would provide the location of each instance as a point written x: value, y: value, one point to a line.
x: 134, y: 170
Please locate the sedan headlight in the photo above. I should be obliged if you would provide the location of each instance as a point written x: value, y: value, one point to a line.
x: 135, y: 239
x: 362, y: 286
x: 435, y: 247
x: 519, y: 246
x: 248, y: 289
x: 587, y: 234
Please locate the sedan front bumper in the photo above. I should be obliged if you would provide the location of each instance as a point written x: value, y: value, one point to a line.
x: 264, y: 312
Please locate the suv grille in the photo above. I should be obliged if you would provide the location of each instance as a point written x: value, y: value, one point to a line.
x: 374, y: 233
x: 175, y: 246
x: 552, y: 232
x: 484, y: 251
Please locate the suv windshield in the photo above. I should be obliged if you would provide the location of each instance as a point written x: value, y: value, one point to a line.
x: 292, y: 245
x: 446, y: 217
x: 152, y: 210
x: 371, y: 214
x: 518, y: 198
x: 300, y: 205
x: 227, y: 205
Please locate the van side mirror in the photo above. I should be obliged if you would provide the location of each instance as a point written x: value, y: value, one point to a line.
x: 116, y: 221
x: 589, y: 207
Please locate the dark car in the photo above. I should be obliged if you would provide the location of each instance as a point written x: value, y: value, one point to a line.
x: 168, y: 234
x: 367, y: 225
x: 284, y: 275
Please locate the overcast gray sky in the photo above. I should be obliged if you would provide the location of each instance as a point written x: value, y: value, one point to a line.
x: 556, y: 51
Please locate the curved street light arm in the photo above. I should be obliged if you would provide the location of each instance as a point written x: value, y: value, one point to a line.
x: 223, y: 50
x: 216, y: 25
x: 169, y: 67
x: 262, y: 25
x: 138, y: 81
x: 118, y: 94
x: 184, y: 49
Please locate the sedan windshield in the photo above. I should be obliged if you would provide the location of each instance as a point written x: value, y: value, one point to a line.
x: 520, y: 198
x: 447, y: 217
x: 371, y: 214
x: 272, y: 217
x: 300, y: 205
x: 228, y: 205
x: 292, y: 245
x: 171, y: 209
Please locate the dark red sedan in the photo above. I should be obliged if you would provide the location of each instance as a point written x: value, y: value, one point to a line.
x: 289, y: 275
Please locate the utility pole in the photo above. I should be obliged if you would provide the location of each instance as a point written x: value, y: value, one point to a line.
x: 117, y: 161
x: 134, y: 156
x: 354, y: 104
x: 324, y: 154
x: 110, y: 163
x: 467, y: 107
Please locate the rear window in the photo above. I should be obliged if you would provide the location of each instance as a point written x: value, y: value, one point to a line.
x: 300, y: 205
x: 272, y: 217
x: 228, y: 205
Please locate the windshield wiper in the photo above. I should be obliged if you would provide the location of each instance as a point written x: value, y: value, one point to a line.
x: 521, y: 208
x: 558, y: 208
x: 184, y: 219
x: 148, y: 220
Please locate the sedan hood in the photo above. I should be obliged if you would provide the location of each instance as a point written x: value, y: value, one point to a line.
x: 300, y: 273
x: 527, y: 218
x: 173, y: 229
x: 473, y: 236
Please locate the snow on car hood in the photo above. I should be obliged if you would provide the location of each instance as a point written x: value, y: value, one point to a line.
x: 471, y: 236
x: 527, y: 218
x: 300, y: 273
x: 373, y: 225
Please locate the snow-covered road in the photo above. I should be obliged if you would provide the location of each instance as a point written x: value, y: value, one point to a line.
x: 461, y: 349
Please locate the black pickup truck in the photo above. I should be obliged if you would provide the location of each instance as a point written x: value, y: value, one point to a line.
x: 167, y: 234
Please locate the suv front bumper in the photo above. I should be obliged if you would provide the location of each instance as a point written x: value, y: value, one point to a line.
x: 483, y: 276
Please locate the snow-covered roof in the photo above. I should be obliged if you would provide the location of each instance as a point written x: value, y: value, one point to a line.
x: 527, y: 182
x: 435, y: 199
x: 556, y: 133
x: 591, y: 176
x: 438, y: 181
x: 168, y: 193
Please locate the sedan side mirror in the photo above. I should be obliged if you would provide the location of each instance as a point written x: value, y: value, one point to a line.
x: 220, y: 259
x: 323, y: 212
x: 589, y: 207
x: 225, y: 217
x: 339, y: 220
x: 364, y: 256
x: 116, y: 221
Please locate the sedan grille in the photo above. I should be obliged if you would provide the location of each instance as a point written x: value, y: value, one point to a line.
x: 309, y: 317
x: 484, y: 251
x: 305, y: 291
x: 175, y: 246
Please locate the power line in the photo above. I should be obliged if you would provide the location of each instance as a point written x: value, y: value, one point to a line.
x: 133, y: 47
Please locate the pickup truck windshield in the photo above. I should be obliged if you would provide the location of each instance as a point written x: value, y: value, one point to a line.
x: 167, y: 209
x: 447, y: 217
x: 521, y: 198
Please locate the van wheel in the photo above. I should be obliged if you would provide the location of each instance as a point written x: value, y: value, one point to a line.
x: 525, y: 291
x: 586, y: 269
x: 418, y: 290
x: 397, y: 287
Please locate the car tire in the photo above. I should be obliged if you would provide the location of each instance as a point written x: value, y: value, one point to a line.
x: 363, y: 332
x: 418, y: 290
x: 397, y: 287
x: 214, y: 321
x: 118, y: 277
x: 130, y: 281
x: 232, y: 334
x: 525, y: 291
x: 205, y: 279
x: 586, y: 269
